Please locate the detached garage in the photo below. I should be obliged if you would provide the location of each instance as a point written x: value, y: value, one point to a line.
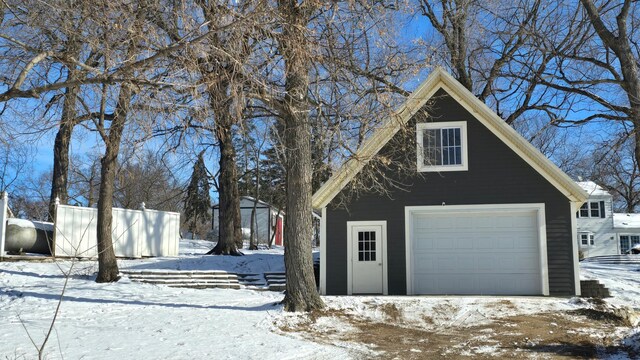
x: 482, y: 213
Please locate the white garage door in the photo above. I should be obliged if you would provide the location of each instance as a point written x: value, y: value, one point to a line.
x: 485, y: 252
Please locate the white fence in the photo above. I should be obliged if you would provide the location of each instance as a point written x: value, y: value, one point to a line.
x: 135, y: 233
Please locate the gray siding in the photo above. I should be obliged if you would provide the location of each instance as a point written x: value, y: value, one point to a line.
x: 496, y: 175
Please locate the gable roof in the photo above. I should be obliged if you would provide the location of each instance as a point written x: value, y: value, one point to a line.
x: 441, y: 79
x: 593, y: 189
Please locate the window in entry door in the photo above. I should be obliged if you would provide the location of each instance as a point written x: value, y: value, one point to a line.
x: 366, y: 246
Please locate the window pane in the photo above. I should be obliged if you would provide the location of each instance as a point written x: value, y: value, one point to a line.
x: 592, y: 240
x: 373, y: 235
x: 584, y: 210
x: 584, y: 239
x: 373, y: 256
x: 366, y: 256
x: 360, y: 246
x: 360, y: 235
x: 432, y: 147
x: 360, y: 256
x: 624, y: 245
x: 442, y: 146
x: 595, y: 209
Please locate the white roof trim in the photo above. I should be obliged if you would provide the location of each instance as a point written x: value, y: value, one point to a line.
x: 440, y: 79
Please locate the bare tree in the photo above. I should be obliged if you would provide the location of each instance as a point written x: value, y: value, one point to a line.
x: 295, y: 48
x: 487, y: 45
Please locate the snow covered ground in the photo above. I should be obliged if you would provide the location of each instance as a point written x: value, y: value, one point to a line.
x: 127, y: 320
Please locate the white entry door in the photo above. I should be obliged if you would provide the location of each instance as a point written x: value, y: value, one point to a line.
x: 366, y: 242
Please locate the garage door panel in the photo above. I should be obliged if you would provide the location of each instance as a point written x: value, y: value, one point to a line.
x: 480, y: 252
x: 462, y: 243
x: 505, y: 242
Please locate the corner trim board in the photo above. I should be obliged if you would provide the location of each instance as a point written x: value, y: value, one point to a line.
x: 576, y: 259
x: 323, y: 252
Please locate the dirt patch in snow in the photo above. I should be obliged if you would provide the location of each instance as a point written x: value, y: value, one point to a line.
x: 582, y: 333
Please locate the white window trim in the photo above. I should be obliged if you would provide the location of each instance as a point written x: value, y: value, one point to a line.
x: 323, y: 252
x: 542, y: 233
x: 588, y: 203
x: 420, y: 127
x: 575, y: 247
x: 590, y: 239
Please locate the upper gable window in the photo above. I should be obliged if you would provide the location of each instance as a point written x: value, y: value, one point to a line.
x: 592, y: 209
x: 442, y: 146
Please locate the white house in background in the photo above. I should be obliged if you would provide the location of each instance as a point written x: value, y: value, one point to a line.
x: 600, y: 231
x: 628, y: 228
x: 267, y: 221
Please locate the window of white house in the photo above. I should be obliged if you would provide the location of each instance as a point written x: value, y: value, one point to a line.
x: 442, y: 146
x: 627, y: 242
x: 590, y: 209
x: 587, y: 239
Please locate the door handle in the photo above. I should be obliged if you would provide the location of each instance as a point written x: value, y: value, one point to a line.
x: 379, y: 264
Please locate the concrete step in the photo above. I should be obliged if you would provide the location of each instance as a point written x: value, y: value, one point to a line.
x: 593, y: 289
x: 175, y: 272
x: 207, y: 286
x: 614, y: 259
x: 206, y: 279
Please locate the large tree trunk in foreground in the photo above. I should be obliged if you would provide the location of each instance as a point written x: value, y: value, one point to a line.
x: 107, y: 265
x: 226, y: 182
x: 302, y: 294
x: 228, y: 178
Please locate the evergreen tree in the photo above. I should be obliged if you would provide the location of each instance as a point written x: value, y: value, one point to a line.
x: 198, y: 201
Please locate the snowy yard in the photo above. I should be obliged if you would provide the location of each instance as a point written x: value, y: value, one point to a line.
x: 128, y: 320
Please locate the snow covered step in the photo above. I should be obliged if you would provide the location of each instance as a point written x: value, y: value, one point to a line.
x: 615, y: 259
x: 178, y: 276
x: 276, y: 281
x: 277, y: 287
x: 175, y: 272
x: 206, y: 286
x: 186, y: 281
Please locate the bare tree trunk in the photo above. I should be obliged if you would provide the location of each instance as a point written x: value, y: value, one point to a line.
x: 302, y: 294
x: 253, y: 244
x: 59, y: 182
x: 107, y: 265
x: 228, y: 180
x: 237, y: 215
